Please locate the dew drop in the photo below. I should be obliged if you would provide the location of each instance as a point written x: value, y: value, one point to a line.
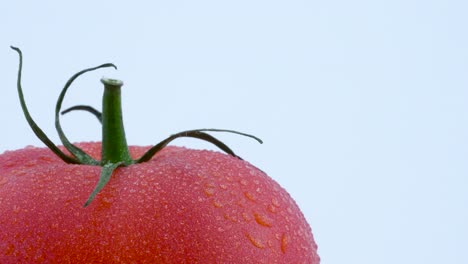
x: 246, y: 217
x: 217, y: 204
x: 228, y: 178
x: 244, y: 182
x: 275, y: 202
x: 209, y: 191
x: 262, y: 220
x: 272, y: 209
x: 270, y: 244
x: 250, y: 196
x: 86, y: 182
x: 232, y: 218
x: 30, y: 163
x: 284, y: 243
x: 107, y: 200
x: 255, y: 241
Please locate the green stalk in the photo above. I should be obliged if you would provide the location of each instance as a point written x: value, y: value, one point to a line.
x: 115, y: 151
x: 114, y: 143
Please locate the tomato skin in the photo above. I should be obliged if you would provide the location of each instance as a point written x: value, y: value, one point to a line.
x: 183, y: 206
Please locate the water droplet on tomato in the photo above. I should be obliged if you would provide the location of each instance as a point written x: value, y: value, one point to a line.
x: 30, y: 163
x: 228, y: 178
x: 250, y: 196
x: 232, y: 218
x: 271, y: 208
x: 271, y: 244
x: 255, y: 241
x: 87, y: 182
x: 262, y: 220
x: 217, y: 204
x: 209, y: 191
x: 275, y: 202
x: 246, y: 217
x: 107, y: 201
x: 284, y: 242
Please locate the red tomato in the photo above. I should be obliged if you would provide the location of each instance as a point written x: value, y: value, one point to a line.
x: 154, y: 204
x: 182, y: 206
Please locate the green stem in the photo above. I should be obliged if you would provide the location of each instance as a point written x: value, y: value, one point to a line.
x: 114, y: 143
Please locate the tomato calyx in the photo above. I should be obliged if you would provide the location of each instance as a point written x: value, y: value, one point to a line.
x: 115, y: 151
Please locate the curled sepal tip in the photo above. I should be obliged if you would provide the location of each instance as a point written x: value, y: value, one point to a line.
x: 85, y: 108
x: 36, y: 129
x: 197, y: 133
x: 78, y: 153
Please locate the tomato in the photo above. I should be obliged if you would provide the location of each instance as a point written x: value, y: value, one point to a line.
x: 182, y: 206
x: 154, y: 204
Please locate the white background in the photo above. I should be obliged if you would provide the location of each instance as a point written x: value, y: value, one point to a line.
x: 363, y: 105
